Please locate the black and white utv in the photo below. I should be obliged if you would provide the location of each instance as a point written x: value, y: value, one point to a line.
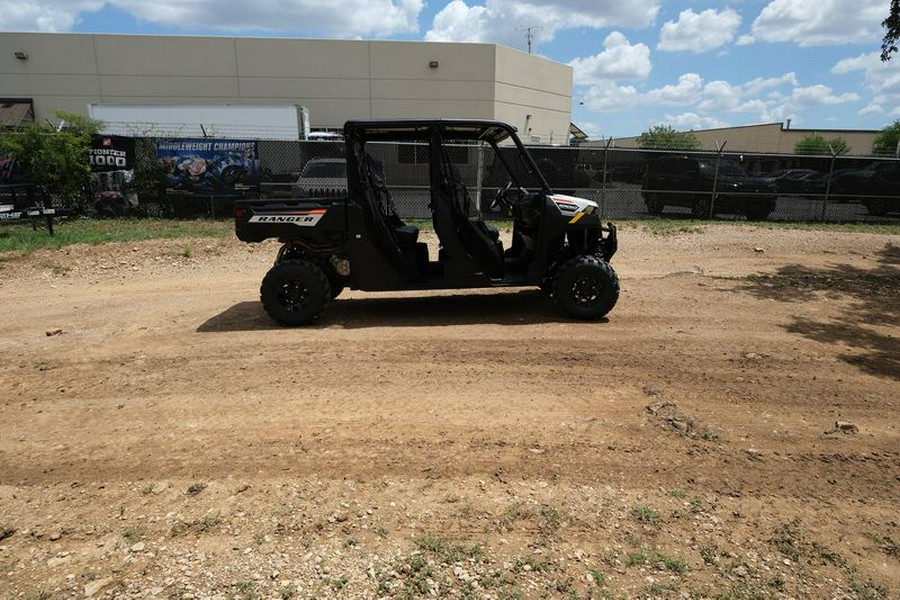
x: 558, y: 242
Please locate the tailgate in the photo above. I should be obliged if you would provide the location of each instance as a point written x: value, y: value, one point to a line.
x: 258, y: 220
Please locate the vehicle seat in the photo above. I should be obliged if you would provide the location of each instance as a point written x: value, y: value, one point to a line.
x: 405, y: 235
x: 396, y: 239
x: 481, y: 239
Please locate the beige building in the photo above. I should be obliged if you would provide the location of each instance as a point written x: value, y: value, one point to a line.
x: 336, y: 80
x: 768, y: 138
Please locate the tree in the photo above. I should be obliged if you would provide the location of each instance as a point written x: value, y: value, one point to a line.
x: 887, y: 141
x: 892, y: 35
x: 57, y: 162
x: 665, y: 137
x: 817, y: 145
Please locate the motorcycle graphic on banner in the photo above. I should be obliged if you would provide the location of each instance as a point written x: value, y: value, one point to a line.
x: 210, y: 167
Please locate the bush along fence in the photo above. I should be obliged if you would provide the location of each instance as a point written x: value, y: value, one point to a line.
x: 202, y: 178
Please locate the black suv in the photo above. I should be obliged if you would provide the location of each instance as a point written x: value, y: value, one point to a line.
x: 877, y: 187
x: 693, y: 183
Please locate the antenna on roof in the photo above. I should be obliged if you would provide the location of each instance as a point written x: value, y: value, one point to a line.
x: 529, y: 36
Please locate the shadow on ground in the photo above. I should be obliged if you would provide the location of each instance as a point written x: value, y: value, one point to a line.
x: 875, y: 302
x: 524, y: 307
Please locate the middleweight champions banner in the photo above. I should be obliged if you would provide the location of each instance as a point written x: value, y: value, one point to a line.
x: 111, y: 153
x: 209, y: 167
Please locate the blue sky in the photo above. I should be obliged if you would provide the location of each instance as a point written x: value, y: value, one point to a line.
x: 690, y: 64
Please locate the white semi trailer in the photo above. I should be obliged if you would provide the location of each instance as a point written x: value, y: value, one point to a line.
x: 276, y: 122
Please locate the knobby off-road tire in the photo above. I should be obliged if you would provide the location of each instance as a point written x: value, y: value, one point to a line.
x: 293, y: 253
x: 586, y: 287
x: 295, y: 292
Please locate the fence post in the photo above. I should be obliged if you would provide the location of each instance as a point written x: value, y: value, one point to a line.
x: 605, y: 174
x: 712, y: 198
x: 478, y: 177
x: 828, y: 183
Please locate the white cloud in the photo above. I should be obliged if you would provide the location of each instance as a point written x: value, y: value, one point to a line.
x: 43, y: 15
x: 872, y: 109
x: 719, y: 96
x: 863, y: 62
x: 753, y: 106
x: 760, y: 84
x: 699, y: 32
x: 685, y: 92
x: 341, y: 18
x: 459, y: 22
x: 690, y: 121
x: 745, y: 40
x: 770, y: 99
x: 503, y: 21
x: 820, y: 95
x: 821, y: 22
x: 619, y: 60
x: 607, y: 96
x: 722, y: 96
x: 882, y: 80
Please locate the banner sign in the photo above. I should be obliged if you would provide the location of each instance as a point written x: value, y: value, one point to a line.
x: 111, y: 153
x: 206, y: 167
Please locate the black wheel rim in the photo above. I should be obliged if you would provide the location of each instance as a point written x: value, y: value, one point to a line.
x: 293, y: 295
x: 586, y: 290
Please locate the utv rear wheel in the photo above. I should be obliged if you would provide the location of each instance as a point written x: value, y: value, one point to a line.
x: 295, y: 292
x: 586, y: 287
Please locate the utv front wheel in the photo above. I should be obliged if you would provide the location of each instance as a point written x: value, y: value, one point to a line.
x: 295, y: 292
x: 586, y: 287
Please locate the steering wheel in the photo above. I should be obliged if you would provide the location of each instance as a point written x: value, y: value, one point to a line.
x: 501, y: 200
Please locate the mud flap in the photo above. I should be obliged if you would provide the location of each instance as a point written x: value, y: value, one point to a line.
x: 610, y: 243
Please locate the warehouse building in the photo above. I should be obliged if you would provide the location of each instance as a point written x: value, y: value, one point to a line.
x: 768, y: 138
x: 335, y: 80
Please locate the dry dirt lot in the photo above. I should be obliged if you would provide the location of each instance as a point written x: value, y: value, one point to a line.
x: 161, y: 438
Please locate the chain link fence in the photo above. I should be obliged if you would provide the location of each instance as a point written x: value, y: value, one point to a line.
x: 626, y: 183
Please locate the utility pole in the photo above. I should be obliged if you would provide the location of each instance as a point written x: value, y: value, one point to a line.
x: 529, y: 36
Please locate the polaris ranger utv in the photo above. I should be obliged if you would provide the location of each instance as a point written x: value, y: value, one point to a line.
x: 359, y: 241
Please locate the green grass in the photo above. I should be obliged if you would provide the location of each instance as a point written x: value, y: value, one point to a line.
x: 19, y: 238
x: 666, y: 227
x: 657, y: 561
x: 445, y: 551
x: 645, y: 514
x: 133, y: 534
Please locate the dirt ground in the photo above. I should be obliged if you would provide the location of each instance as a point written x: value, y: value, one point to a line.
x: 730, y: 431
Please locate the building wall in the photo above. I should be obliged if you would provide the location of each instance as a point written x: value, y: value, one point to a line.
x: 336, y: 79
x: 539, y: 88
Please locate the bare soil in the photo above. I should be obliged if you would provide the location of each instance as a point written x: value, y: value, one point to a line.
x: 729, y: 431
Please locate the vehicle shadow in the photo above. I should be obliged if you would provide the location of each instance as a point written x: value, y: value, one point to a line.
x: 875, y: 301
x: 523, y: 307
